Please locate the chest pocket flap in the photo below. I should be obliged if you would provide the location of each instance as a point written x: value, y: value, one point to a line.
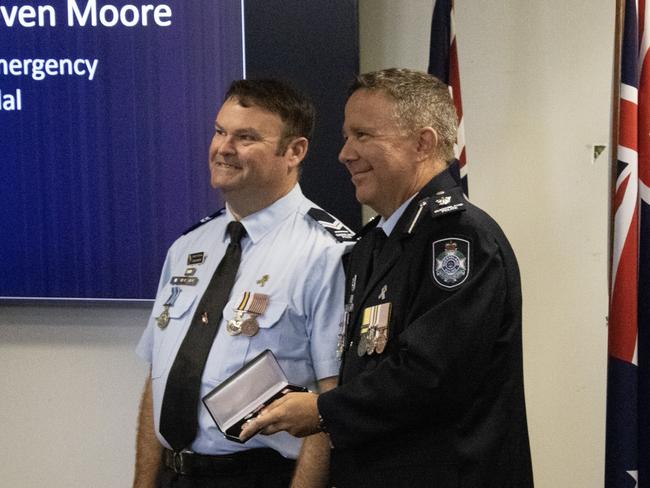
x: 181, y: 305
x: 167, y: 338
x: 272, y: 314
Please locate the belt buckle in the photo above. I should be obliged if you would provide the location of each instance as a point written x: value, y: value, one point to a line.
x: 179, y: 462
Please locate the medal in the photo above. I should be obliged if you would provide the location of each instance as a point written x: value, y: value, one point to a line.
x: 362, y: 347
x: 163, y: 319
x: 233, y: 327
x: 253, y: 304
x: 343, y: 329
x: 374, y: 329
x: 340, y: 347
x: 381, y: 340
x: 382, y: 319
x: 250, y: 327
x: 370, y: 343
x: 370, y: 318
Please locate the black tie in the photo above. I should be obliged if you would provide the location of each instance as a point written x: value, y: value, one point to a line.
x: 378, y: 240
x: 179, y: 413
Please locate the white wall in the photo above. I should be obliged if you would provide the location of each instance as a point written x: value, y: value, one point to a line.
x: 69, y: 393
x: 536, y: 82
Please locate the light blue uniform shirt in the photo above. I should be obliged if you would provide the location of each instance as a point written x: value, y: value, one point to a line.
x: 300, y: 325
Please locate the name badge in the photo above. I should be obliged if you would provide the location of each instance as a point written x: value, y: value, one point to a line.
x: 184, y: 280
x: 196, y: 258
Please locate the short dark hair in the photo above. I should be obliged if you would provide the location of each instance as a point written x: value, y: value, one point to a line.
x: 421, y: 100
x: 278, y: 97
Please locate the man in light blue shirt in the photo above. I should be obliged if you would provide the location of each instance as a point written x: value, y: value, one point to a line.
x: 290, y: 279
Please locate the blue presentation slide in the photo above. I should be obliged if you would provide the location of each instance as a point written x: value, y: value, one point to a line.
x: 106, y: 113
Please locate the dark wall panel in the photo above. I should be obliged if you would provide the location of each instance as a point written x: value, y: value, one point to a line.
x: 313, y: 44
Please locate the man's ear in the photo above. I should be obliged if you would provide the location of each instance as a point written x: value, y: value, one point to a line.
x: 297, y: 150
x: 427, y: 142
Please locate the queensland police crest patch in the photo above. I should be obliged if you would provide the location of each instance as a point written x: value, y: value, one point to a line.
x: 450, y: 262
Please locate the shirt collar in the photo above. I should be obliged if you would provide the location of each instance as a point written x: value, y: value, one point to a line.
x: 258, y: 224
x: 387, y: 225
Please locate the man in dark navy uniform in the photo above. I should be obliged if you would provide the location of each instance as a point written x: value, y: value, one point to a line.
x: 431, y: 386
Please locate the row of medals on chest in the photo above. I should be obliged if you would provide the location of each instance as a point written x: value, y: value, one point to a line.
x: 244, y: 321
x: 373, y: 335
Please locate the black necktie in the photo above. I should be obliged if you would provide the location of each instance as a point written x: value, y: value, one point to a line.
x: 179, y: 413
x: 378, y: 240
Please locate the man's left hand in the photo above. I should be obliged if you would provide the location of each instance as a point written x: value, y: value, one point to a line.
x: 297, y: 413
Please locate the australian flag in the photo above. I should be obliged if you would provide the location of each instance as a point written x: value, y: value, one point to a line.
x: 443, y: 64
x: 628, y: 382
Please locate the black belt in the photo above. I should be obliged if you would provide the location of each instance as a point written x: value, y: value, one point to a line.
x: 193, y: 464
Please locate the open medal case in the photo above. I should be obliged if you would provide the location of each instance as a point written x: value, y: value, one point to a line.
x: 242, y: 396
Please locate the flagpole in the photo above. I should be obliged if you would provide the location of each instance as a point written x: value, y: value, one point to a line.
x: 618, y: 42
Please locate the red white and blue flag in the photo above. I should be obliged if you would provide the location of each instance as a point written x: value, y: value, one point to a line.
x: 627, y: 450
x: 443, y: 64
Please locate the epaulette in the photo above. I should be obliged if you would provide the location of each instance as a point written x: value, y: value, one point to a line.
x: 331, y: 224
x: 441, y: 204
x: 204, y: 220
x: 447, y: 203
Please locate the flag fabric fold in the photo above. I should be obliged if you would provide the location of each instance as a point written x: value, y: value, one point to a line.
x: 627, y: 453
x: 443, y: 64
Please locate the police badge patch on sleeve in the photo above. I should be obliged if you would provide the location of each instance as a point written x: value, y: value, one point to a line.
x: 450, y: 262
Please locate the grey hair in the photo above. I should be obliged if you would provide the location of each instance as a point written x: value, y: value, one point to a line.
x: 421, y: 100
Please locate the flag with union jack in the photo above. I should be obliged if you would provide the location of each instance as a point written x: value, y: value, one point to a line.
x: 443, y: 64
x: 627, y: 451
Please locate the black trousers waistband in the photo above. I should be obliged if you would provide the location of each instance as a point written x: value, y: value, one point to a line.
x: 201, y: 465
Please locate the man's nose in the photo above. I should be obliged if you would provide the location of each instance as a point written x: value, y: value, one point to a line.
x: 226, y: 145
x: 347, y: 153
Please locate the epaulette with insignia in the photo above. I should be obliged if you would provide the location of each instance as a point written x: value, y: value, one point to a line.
x: 442, y: 203
x: 446, y: 203
x: 332, y: 225
x: 204, y: 220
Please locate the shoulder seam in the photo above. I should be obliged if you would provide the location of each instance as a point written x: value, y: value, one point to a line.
x: 204, y: 220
